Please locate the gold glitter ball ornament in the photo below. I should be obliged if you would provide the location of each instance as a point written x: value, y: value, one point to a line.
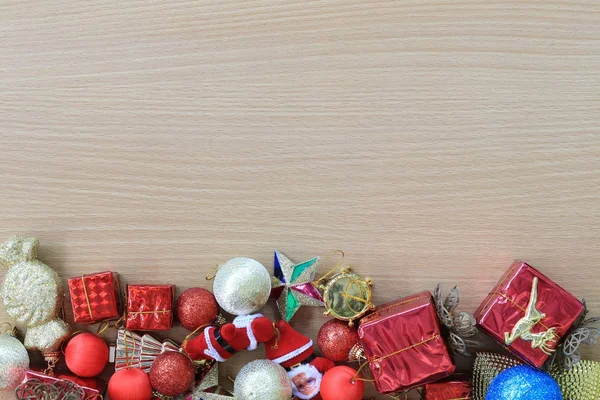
x: 14, y: 361
x: 581, y: 382
x: 242, y: 286
x: 262, y: 380
x: 32, y: 291
x: 47, y: 337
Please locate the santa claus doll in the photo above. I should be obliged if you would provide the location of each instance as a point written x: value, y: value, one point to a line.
x: 295, y: 352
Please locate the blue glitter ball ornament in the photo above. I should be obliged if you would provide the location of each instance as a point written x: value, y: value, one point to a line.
x: 523, y: 383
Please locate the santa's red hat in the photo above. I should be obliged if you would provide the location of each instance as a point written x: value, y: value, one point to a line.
x: 289, y: 347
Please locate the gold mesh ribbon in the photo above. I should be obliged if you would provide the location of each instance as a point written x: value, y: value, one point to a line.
x: 582, y: 382
x: 487, y: 367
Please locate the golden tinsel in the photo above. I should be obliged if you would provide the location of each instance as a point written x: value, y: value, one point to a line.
x: 581, y: 382
x: 487, y: 367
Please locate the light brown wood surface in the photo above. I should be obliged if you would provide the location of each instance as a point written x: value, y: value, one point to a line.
x: 433, y: 141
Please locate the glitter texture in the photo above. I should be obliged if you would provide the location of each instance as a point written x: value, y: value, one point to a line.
x: 32, y: 293
x: 336, y: 339
x: 242, y: 286
x: 487, y: 367
x: 47, y: 337
x: 172, y: 373
x: 262, y: 380
x: 14, y: 362
x: 523, y: 383
x: 196, y: 307
x: 210, y: 382
x: 582, y: 382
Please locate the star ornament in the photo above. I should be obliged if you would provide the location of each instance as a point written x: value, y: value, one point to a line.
x: 292, y: 287
x: 209, y: 385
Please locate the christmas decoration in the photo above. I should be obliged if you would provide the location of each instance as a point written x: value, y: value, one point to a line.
x: 150, y: 348
x: 95, y: 297
x: 486, y: 369
x: 295, y: 353
x: 403, y: 345
x: 347, y: 296
x: 340, y: 383
x: 196, y: 307
x: 459, y: 326
x: 336, y: 339
x: 528, y: 312
x: 242, y: 286
x: 581, y: 381
x: 209, y: 386
x: 292, y: 285
x: 172, y: 373
x: 128, y: 349
x: 523, y: 383
x: 32, y: 294
x: 149, y: 307
x: 86, y: 354
x: 262, y: 380
x: 449, y: 389
x: 130, y: 384
x: 40, y: 386
x: 14, y: 360
x: 220, y: 343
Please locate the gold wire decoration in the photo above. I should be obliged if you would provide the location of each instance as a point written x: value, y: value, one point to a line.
x: 348, y: 296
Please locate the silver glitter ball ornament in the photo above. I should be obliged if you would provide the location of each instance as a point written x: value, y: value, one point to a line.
x: 262, y: 380
x: 48, y: 336
x: 242, y: 286
x: 14, y: 361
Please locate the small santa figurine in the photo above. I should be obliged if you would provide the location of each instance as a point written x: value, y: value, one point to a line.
x: 295, y: 352
x: 220, y: 343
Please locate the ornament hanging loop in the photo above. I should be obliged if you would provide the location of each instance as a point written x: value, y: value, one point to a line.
x: 212, y: 274
x: 6, y: 328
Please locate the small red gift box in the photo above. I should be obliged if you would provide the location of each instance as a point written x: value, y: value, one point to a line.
x: 149, y: 307
x: 453, y: 389
x: 36, y: 382
x: 403, y: 345
x: 95, y: 297
x: 528, y: 313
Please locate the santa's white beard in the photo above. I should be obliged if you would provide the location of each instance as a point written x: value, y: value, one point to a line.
x: 306, y: 381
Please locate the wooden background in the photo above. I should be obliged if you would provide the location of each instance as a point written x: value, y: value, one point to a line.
x: 433, y: 141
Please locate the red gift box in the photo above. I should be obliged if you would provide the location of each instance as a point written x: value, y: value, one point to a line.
x: 448, y: 390
x: 403, y: 345
x: 38, y: 380
x: 95, y: 297
x: 528, y: 313
x: 149, y: 307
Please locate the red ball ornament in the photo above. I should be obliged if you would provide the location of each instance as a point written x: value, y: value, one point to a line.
x: 129, y: 384
x: 335, y: 339
x: 339, y: 383
x: 196, y: 307
x: 86, y: 355
x: 172, y: 373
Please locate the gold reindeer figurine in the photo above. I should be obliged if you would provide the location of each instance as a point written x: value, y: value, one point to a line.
x: 533, y: 316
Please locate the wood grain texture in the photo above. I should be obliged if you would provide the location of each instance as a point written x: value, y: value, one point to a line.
x: 433, y: 141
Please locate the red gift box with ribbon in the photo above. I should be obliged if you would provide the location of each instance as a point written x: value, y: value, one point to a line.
x: 403, y: 345
x: 528, y: 313
x: 149, y: 307
x: 95, y: 297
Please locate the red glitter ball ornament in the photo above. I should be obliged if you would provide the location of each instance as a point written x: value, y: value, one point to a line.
x: 129, y: 384
x: 196, y: 307
x: 172, y: 373
x: 339, y: 383
x: 86, y: 355
x: 335, y: 339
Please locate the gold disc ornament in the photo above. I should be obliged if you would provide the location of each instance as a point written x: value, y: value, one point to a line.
x: 347, y: 296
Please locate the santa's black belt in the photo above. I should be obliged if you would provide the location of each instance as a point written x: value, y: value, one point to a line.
x: 223, y: 343
x: 307, y: 361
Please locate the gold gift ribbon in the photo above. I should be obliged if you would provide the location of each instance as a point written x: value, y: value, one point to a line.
x: 87, y: 299
x: 150, y: 312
